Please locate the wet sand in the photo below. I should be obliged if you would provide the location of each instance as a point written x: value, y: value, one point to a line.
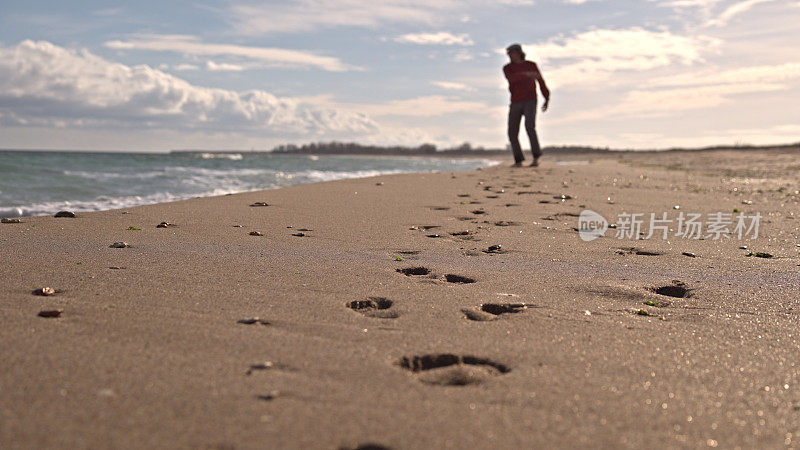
x: 391, y: 322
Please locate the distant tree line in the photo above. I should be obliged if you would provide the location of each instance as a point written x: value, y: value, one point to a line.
x: 352, y: 148
x: 465, y: 149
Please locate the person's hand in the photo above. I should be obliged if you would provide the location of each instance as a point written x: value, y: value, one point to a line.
x: 545, y: 105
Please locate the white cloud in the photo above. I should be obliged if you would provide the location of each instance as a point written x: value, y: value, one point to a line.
x: 689, y: 3
x: 42, y: 84
x: 452, y: 86
x: 593, y: 56
x: 294, y: 16
x: 223, y: 67
x: 737, y: 8
x: 462, y: 56
x: 271, y: 57
x: 774, y: 135
x: 519, y: 2
x: 707, y: 10
x: 440, y: 38
x: 663, y: 102
x: 182, y: 67
x: 426, y: 106
x: 312, y: 15
x: 743, y: 75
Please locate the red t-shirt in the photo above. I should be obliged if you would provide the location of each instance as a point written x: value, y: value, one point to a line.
x: 522, y: 86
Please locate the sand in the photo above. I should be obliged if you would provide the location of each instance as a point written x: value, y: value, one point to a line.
x: 148, y: 351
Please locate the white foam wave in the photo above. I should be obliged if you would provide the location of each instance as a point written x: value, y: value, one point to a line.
x: 232, y: 156
x: 167, y: 172
x: 329, y: 175
x: 104, y: 203
x: 105, y: 176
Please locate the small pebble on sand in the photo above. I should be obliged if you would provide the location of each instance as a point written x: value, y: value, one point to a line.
x: 45, y: 291
x: 252, y: 320
x: 259, y: 204
x: 4, y: 220
x: 69, y: 214
x: 298, y: 234
x: 271, y: 395
x: 256, y: 233
x: 50, y: 313
x: 165, y: 225
x: 689, y: 254
x: 119, y: 245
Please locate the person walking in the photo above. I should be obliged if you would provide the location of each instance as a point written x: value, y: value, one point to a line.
x: 522, y: 76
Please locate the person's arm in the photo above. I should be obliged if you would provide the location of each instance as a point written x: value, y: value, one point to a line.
x: 543, y: 87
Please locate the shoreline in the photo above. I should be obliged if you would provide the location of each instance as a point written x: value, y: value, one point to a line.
x: 565, y: 149
x: 134, y: 197
x: 365, y: 330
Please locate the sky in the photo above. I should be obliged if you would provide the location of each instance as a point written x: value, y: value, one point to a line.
x: 241, y: 75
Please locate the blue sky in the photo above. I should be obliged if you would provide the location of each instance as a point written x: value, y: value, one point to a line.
x: 155, y: 76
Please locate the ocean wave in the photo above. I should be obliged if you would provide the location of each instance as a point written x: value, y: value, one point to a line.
x: 231, y: 156
x: 121, y: 186
x: 218, y: 172
x: 331, y: 175
x: 105, y: 176
x: 103, y: 203
x: 169, y: 171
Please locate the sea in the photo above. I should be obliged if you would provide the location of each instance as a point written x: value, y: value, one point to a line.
x: 43, y: 182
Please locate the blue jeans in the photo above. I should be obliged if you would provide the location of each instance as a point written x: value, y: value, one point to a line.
x: 515, y: 113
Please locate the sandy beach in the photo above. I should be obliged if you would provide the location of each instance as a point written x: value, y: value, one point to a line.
x: 382, y: 312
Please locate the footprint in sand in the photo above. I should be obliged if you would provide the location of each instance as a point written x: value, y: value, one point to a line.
x: 423, y: 271
x: 677, y: 289
x: 493, y: 311
x: 637, y: 251
x: 366, y: 446
x: 458, y: 279
x: 402, y: 255
x: 507, y: 223
x: 414, y: 271
x: 408, y: 252
x: 465, y: 235
x: 377, y: 307
x: 452, y: 370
